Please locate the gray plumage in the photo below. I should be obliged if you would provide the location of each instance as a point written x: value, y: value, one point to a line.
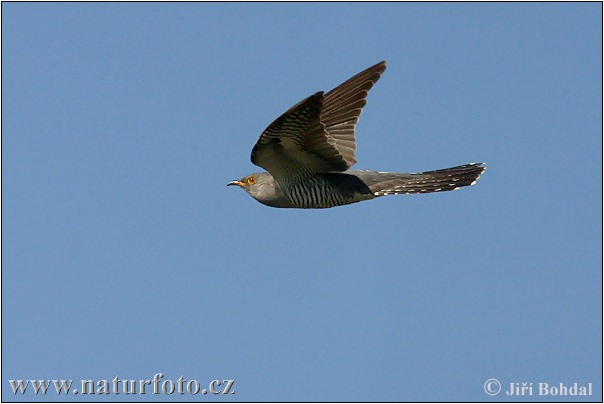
x: 308, y: 151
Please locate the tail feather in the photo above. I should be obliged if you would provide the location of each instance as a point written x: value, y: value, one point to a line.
x: 447, y: 179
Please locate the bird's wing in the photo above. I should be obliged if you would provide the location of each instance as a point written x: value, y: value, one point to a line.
x: 298, y: 140
x: 317, y: 134
x: 342, y: 107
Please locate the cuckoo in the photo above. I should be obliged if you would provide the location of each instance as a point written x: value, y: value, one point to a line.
x: 308, y: 151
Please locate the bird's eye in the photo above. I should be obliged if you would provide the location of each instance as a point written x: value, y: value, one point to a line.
x: 251, y: 180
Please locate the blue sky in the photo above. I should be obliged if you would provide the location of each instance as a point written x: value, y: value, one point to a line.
x: 124, y: 253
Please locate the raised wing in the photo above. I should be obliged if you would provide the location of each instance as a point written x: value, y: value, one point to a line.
x: 298, y: 140
x: 342, y: 107
x: 317, y: 134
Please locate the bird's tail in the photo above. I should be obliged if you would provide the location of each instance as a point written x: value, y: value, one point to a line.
x: 447, y: 179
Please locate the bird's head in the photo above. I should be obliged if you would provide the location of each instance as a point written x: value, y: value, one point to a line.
x: 263, y: 188
x: 244, y: 182
x: 250, y: 183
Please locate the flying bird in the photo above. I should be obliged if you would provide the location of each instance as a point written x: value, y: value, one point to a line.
x: 308, y: 151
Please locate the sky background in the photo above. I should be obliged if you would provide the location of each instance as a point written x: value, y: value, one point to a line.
x: 124, y: 253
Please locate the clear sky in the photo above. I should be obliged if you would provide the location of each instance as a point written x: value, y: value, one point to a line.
x: 125, y: 254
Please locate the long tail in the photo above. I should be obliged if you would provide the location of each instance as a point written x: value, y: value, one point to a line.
x: 447, y: 179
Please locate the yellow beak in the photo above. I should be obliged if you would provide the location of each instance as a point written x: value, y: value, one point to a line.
x: 237, y: 182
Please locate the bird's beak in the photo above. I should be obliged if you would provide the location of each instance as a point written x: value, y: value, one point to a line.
x: 236, y: 182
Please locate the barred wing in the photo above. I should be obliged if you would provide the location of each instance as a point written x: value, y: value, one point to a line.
x: 298, y: 140
x: 342, y: 107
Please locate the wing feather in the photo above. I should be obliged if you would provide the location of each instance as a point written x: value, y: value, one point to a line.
x: 343, y: 106
x: 318, y: 133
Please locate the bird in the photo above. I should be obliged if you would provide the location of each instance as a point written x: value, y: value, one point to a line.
x: 308, y: 151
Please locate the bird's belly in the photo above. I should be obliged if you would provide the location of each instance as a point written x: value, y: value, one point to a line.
x: 318, y: 194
